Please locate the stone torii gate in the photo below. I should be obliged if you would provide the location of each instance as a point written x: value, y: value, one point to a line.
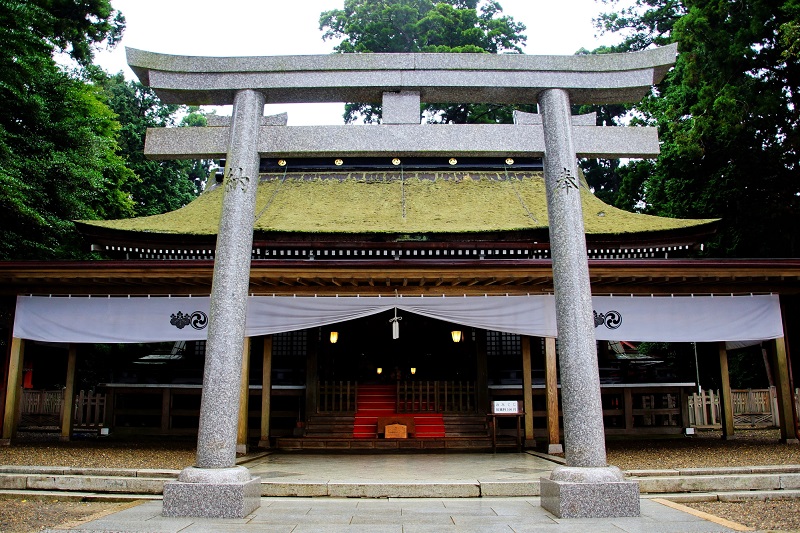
x: 586, y: 486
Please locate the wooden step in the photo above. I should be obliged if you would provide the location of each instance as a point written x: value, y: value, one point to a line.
x: 411, y: 445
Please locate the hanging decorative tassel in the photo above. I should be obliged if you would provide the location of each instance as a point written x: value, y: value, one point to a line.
x: 395, y: 325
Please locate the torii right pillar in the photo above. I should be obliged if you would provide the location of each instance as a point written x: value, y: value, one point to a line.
x: 586, y: 486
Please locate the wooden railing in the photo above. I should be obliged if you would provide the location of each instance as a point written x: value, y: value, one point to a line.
x: 46, y: 408
x: 90, y: 410
x: 337, y: 396
x: 751, y: 407
x: 41, y: 408
x: 436, y: 397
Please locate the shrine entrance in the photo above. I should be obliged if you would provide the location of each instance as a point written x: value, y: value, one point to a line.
x: 426, y: 349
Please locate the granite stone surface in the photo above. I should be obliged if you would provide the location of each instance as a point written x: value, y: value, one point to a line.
x: 440, y: 78
x: 219, y: 406
x: 236, y: 474
x: 584, y: 437
x: 574, y: 474
x: 602, y: 499
x: 509, y: 488
x: 654, y: 485
x: 477, y: 140
x: 212, y: 500
x: 404, y: 490
x: 218, y: 488
x: 400, y: 107
x: 216, y: 121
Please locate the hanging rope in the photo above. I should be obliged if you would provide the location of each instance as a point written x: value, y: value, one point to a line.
x: 272, y: 197
x: 519, y: 196
x: 395, y: 325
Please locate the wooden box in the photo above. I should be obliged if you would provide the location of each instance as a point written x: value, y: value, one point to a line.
x: 396, y: 431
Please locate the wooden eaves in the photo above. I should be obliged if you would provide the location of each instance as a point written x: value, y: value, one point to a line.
x: 407, y: 277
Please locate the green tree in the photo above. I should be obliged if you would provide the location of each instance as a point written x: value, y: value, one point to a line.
x: 163, y: 185
x: 58, y: 158
x: 394, y: 26
x: 728, y: 116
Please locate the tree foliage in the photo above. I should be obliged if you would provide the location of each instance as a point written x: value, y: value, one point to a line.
x: 728, y: 116
x: 71, y: 142
x: 58, y: 159
x: 395, y: 26
x: 163, y: 185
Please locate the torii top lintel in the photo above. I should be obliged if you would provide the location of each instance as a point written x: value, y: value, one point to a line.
x: 439, y: 78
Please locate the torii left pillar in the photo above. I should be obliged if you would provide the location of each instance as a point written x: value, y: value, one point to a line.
x: 216, y: 487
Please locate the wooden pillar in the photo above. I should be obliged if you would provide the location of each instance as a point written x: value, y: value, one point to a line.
x: 312, y: 376
x: 725, y: 397
x: 244, y: 400
x: 527, y: 391
x: 627, y: 408
x: 481, y: 372
x: 266, y: 392
x: 13, y: 391
x: 783, y: 389
x: 67, y: 414
x: 166, y: 409
x: 551, y: 396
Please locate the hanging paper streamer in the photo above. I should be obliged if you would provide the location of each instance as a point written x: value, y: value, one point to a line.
x: 395, y: 325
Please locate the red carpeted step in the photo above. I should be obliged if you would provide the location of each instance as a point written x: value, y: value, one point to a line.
x: 373, y: 401
x: 429, y: 425
x: 381, y: 400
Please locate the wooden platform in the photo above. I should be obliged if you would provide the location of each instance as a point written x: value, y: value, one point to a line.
x: 462, y: 433
x: 459, y: 444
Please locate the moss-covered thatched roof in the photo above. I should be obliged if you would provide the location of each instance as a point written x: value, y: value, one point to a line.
x: 385, y: 203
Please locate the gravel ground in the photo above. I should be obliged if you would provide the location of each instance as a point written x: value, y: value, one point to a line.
x: 21, y: 516
x: 765, y: 516
x: 751, y: 447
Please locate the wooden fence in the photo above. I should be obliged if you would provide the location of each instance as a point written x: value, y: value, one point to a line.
x: 751, y: 407
x: 337, y: 396
x: 41, y: 408
x: 436, y: 396
x: 89, y: 411
x: 45, y: 408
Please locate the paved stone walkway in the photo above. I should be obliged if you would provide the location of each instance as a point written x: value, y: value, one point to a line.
x: 399, y: 475
x: 435, y: 478
x: 404, y: 515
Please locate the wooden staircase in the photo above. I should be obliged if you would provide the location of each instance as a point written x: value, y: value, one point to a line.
x: 346, y: 432
x: 375, y: 401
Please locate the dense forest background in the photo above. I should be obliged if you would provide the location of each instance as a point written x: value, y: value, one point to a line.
x: 71, y: 138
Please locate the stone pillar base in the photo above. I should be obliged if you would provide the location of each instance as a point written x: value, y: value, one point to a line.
x: 212, y: 493
x: 555, y: 448
x: 263, y: 443
x: 573, y: 492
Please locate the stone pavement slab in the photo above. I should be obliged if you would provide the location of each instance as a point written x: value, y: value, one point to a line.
x: 400, y: 476
x: 298, y: 515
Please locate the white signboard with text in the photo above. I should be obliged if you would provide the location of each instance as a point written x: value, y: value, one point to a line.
x: 505, y: 407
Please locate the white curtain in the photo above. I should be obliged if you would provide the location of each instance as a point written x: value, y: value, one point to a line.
x: 159, y: 319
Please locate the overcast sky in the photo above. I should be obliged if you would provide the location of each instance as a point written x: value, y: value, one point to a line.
x: 271, y: 27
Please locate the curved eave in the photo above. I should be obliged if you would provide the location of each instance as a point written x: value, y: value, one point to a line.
x: 384, y: 206
x: 439, y: 78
